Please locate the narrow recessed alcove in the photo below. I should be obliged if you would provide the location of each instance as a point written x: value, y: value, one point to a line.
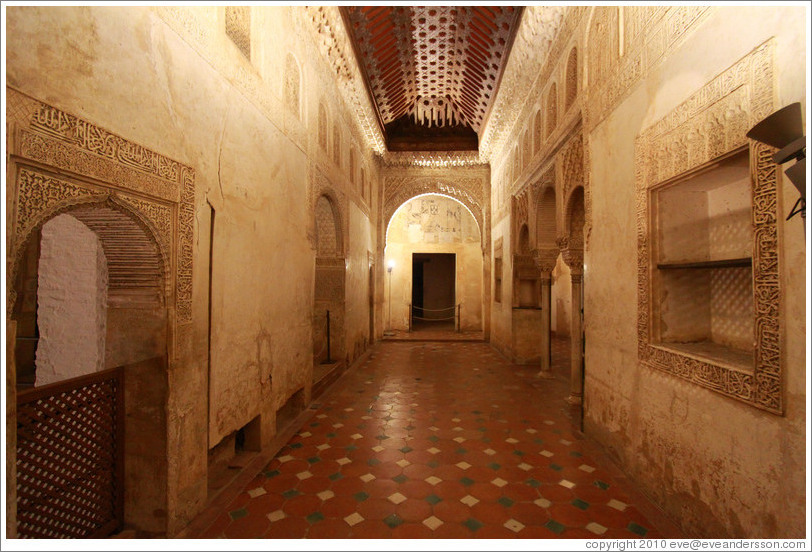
x: 702, y: 247
x: 288, y: 412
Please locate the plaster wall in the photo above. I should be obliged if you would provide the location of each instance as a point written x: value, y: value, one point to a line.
x: 71, y: 302
x: 724, y: 468
x: 561, y: 299
x: 434, y: 224
x: 169, y: 78
x: 501, y: 311
x: 356, y: 319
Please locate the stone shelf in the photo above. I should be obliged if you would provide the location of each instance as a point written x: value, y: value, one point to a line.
x: 720, y: 263
x: 715, y: 353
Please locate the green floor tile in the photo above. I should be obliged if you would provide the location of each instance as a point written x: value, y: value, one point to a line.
x: 467, y: 481
x: 382, y: 437
x: 271, y: 474
x: 290, y: 493
x: 472, y: 524
x: 433, y: 499
x: 601, y: 484
x: 460, y: 451
x: 505, y: 501
x: 533, y: 483
x: 315, y: 517
x: 295, y: 445
x: 361, y: 496
x: 313, y: 459
x: 404, y: 450
x: 237, y: 514
x: 373, y: 462
x: 393, y: 520
x: 400, y: 478
x: 554, y: 526
x: 494, y: 466
x: 335, y: 477
x: 580, y: 504
x: 556, y: 467
x: 637, y: 529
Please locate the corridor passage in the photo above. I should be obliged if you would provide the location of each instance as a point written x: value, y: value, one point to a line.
x: 439, y: 440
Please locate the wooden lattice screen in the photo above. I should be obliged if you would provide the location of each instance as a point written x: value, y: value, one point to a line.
x: 70, y: 457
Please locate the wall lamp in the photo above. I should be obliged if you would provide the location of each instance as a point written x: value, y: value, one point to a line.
x: 784, y: 130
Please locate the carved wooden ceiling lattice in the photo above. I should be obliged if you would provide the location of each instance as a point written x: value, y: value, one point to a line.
x: 432, y: 72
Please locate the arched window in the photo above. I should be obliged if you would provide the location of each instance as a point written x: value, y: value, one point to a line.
x: 552, y: 109
x: 572, y: 79
x: 322, y: 126
x: 292, y: 85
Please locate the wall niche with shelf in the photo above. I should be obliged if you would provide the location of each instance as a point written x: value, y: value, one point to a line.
x: 702, y: 248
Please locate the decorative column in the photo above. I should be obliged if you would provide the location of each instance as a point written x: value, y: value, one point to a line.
x: 575, y: 261
x: 545, y: 261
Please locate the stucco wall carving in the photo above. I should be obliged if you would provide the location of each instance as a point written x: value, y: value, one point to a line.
x: 293, y: 85
x: 159, y: 188
x: 319, y: 185
x: 328, y: 30
x: 649, y: 32
x: 238, y: 27
x: 713, y: 121
x: 468, y: 190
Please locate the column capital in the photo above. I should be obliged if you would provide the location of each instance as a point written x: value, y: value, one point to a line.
x: 545, y: 260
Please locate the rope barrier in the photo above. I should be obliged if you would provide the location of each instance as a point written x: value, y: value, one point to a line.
x: 434, y: 310
x: 434, y: 319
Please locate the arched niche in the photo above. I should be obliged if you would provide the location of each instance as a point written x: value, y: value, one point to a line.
x: 292, y: 85
x: 132, y: 321
x: 571, y: 79
x: 329, y: 281
x: 552, y: 109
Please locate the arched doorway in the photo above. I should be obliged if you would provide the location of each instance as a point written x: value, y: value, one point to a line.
x: 91, y: 398
x: 433, y: 246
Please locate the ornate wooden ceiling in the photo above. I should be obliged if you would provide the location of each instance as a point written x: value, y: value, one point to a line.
x: 432, y: 72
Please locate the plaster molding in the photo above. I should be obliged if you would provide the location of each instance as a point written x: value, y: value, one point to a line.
x: 712, y: 122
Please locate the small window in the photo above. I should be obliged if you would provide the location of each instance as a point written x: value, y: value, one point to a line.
x: 238, y: 28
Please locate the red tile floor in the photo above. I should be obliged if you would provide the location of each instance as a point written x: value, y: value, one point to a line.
x: 439, y: 440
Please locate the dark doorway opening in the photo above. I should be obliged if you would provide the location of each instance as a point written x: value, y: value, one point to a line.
x: 434, y: 291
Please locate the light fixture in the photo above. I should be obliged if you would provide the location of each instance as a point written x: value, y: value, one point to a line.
x: 784, y: 130
x: 389, y: 266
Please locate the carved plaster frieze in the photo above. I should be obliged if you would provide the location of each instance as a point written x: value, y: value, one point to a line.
x: 159, y: 188
x: 649, y: 33
x: 712, y: 122
x: 538, y: 39
x: 334, y: 44
x: 468, y: 190
x: 320, y: 185
x: 42, y: 196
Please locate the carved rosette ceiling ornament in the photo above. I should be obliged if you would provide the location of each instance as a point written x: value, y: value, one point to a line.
x: 710, y: 123
x: 96, y: 166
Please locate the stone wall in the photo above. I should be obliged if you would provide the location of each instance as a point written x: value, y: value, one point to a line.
x: 173, y: 80
x: 72, y: 301
x: 716, y: 462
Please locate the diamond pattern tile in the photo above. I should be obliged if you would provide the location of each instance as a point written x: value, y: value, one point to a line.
x: 435, y: 440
